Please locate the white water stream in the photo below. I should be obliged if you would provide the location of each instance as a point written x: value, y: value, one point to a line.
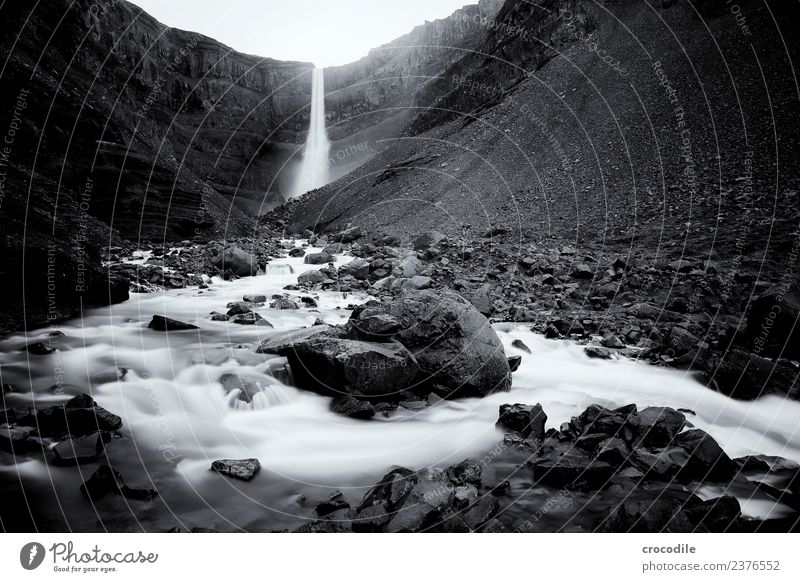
x: 178, y: 417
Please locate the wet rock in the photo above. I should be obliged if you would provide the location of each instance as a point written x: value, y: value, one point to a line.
x: 772, y: 328
x: 662, y: 464
x: 161, y: 323
x: 422, y: 507
x: 597, y: 353
x: 481, y: 511
x: 106, y: 481
x: 707, y: 461
x: 311, y: 278
x: 612, y: 341
x: 297, y: 252
x: 582, y: 271
x: 514, y: 363
x: 284, y: 342
x: 527, y: 420
x: 454, y: 344
x: 349, y: 235
x: 335, y: 502
x: 254, y: 298
x: 563, y: 464
x: 239, y: 307
x: 467, y: 472
x: 371, y: 519
x: 391, y: 490
x: 417, y: 282
x: 613, y: 451
x: 42, y: 348
x: 79, y: 416
x: 658, y: 426
x: 237, y: 261
x: 351, y: 406
x: 83, y: 449
x: 357, y: 268
x: 283, y: 302
x: 15, y: 440
x: 368, y: 369
x: 718, y: 515
x: 318, y: 258
x: 246, y: 387
x: 520, y: 345
x: 660, y: 515
x: 251, y: 318
x: 244, y: 469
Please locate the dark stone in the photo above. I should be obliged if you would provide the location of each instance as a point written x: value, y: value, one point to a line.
x: 239, y: 308
x: 527, y: 420
x: 335, y: 502
x: 318, y: 258
x: 466, y: 472
x: 391, y: 490
x: 237, y: 261
x: 297, y: 252
x: 15, y: 440
x: 283, y: 343
x: 658, y: 426
x: 83, y: 449
x: 660, y: 464
x: 281, y: 302
x: 254, y: 298
x: 42, y: 348
x: 707, y: 460
x: 718, y: 515
x: 247, y: 388
x: 244, y: 469
x: 597, y: 353
x: 367, y: 369
x: 106, y: 480
x: 351, y: 406
x: 251, y: 318
x: 454, y: 344
x: 566, y: 465
x: 161, y: 323
x: 79, y: 416
x: 514, y: 363
x: 772, y: 328
x: 371, y: 519
x: 520, y: 345
x: 481, y: 511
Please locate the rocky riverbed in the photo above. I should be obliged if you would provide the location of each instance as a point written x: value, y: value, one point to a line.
x: 358, y: 385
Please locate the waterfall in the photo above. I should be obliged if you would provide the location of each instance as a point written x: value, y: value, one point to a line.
x: 314, y: 170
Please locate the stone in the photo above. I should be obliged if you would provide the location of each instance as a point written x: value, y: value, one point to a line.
x: 335, y: 502
x: 321, y: 258
x: 582, y: 271
x: 520, y: 345
x: 453, y: 343
x: 311, y: 278
x: 527, y: 420
x: 467, y: 472
x: 357, y: 268
x: 244, y: 469
x: 83, y: 449
x: 161, y: 323
x: 15, y: 440
x: 566, y: 465
x: 78, y: 417
x: 106, y: 480
x: 663, y: 464
x: 297, y: 252
x: 284, y: 342
x: 239, y: 307
x: 597, y: 353
x: 246, y: 387
x: 251, y: 318
x: 237, y: 261
x: 254, y: 298
x: 282, y: 302
x: 514, y: 363
x: 417, y: 282
x: 612, y: 341
x: 351, y: 406
x: 707, y: 461
x: 658, y: 426
x: 772, y: 328
x: 367, y: 369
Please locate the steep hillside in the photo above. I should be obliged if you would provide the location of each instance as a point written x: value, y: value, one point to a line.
x: 631, y: 121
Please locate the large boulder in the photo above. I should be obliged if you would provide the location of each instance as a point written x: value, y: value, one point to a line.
x: 345, y: 366
x: 318, y: 258
x: 453, y: 343
x: 237, y: 261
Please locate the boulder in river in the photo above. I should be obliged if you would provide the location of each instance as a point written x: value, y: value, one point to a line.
x: 79, y: 416
x: 527, y: 420
x: 453, y: 343
x: 237, y: 261
x: 106, y: 480
x: 321, y: 258
x: 161, y: 323
x: 244, y: 469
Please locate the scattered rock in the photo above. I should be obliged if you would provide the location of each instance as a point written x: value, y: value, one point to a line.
x: 244, y: 469
x: 161, y: 323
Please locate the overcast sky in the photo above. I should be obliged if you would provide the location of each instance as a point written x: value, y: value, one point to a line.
x: 324, y: 32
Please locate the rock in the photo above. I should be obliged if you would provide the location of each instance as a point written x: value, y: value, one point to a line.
x: 613, y: 451
x: 83, y: 449
x: 244, y: 469
x: 660, y: 515
x: 254, y: 298
x: 467, y: 472
x: 520, y: 345
x: 42, y: 348
x: 681, y: 341
x: 15, y: 440
x: 663, y: 464
x: 349, y: 235
x: 582, y: 271
x: 239, y: 308
x: 422, y: 506
x: 481, y: 511
x: 454, y: 344
x: 741, y: 374
x: 707, y: 461
x: 720, y: 515
x: 772, y: 328
x: 597, y: 353
x: 527, y: 420
x: 357, y: 268
x: 658, y: 426
x: 161, y: 323
x: 237, y: 261
x: 79, y: 416
x: 351, y: 406
x: 514, y: 363
x: 284, y: 342
x: 417, y: 282
x: 106, y: 480
x: 250, y: 318
x: 427, y: 240
x: 247, y: 388
x: 318, y: 258
x: 368, y: 369
x: 311, y: 278
x: 464, y: 496
x: 297, y: 252
x: 563, y: 464
x: 371, y: 519
x: 612, y: 341
x: 335, y: 502
x: 282, y: 302
x: 596, y: 419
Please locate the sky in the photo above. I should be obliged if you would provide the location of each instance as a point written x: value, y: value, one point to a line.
x: 324, y: 32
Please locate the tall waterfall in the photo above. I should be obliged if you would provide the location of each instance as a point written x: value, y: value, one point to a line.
x: 314, y: 169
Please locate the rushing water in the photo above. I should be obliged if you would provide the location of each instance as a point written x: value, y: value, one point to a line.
x: 178, y: 418
x: 314, y: 171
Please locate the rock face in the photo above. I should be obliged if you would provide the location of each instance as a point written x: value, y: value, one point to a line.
x: 453, y: 343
